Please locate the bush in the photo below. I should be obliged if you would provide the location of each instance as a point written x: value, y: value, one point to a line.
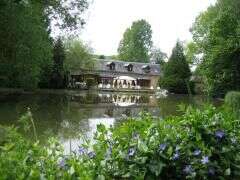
x: 232, y: 100
x: 198, y: 145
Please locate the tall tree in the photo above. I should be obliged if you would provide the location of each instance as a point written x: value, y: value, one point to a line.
x: 157, y: 56
x: 136, y: 42
x: 176, y: 72
x: 78, y: 56
x: 57, y: 79
x: 65, y: 15
x: 25, y: 43
x: 216, y: 35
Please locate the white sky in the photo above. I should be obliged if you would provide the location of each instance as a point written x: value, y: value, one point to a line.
x: 170, y: 20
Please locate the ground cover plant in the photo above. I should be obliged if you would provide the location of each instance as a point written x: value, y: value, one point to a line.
x: 232, y: 100
x: 201, y: 144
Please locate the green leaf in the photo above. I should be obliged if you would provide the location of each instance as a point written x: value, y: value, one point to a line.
x: 72, y: 170
x: 157, y: 168
x: 227, y: 172
x: 170, y: 151
x: 101, y: 177
x: 142, y: 146
x: 127, y: 175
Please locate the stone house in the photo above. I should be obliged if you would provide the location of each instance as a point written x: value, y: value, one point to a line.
x: 118, y: 75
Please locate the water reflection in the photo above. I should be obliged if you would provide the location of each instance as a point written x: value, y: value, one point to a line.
x: 67, y: 116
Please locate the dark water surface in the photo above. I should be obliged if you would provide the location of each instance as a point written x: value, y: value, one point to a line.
x: 65, y: 116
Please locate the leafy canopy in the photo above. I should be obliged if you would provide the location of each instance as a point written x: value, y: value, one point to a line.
x: 136, y: 43
x: 26, y: 48
x: 58, y: 73
x: 216, y: 35
x: 78, y: 55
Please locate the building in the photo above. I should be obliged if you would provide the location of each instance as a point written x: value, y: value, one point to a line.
x: 117, y: 75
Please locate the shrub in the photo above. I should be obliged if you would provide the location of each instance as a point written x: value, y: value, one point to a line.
x: 232, y: 100
x: 197, y: 145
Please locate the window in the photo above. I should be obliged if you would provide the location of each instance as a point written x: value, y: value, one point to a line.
x: 129, y: 67
x: 146, y: 68
x: 112, y: 66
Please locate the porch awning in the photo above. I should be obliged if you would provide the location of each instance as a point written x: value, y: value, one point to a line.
x: 125, y: 78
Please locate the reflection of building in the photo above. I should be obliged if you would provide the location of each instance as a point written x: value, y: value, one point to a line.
x: 115, y: 105
x: 114, y: 99
x: 117, y: 75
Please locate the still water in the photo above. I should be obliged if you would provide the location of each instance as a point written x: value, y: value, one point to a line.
x: 66, y: 115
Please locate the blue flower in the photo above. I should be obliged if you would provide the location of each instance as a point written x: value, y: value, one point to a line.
x: 205, y: 160
x: 188, y: 169
x: 62, y: 163
x: 219, y: 134
x: 81, y: 150
x: 91, y: 154
x: 176, y: 156
x: 131, y: 152
x: 162, y: 147
x: 197, y: 152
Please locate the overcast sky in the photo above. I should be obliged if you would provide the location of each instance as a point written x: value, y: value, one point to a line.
x: 170, y: 20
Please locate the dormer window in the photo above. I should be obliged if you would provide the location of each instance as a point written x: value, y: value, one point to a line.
x: 146, y: 68
x: 111, y: 65
x: 129, y: 67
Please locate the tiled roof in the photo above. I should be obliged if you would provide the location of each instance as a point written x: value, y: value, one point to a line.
x: 121, y: 66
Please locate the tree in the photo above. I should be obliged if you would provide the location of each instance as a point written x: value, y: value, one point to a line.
x: 176, y: 72
x: 25, y: 42
x: 216, y: 35
x: 58, y: 74
x: 65, y: 15
x: 25, y: 46
x: 102, y: 57
x: 136, y: 43
x: 78, y: 56
x: 157, y: 56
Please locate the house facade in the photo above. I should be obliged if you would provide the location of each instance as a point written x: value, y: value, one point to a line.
x: 117, y: 75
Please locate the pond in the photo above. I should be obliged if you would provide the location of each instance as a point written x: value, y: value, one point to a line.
x: 66, y: 115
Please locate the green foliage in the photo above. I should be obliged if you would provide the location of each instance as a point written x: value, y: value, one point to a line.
x: 176, y: 72
x: 216, y: 35
x: 191, y: 53
x: 232, y: 100
x: 28, y: 123
x: 201, y: 144
x: 3, y: 135
x: 24, y: 43
x: 136, y: 43
x: 78, y: 56
x: 157, y: 56
x: 66, y: 15
x: 58, y: 74
x: 102, y: 57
